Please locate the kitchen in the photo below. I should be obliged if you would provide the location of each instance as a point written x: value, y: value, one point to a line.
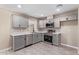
x: 56, y: 30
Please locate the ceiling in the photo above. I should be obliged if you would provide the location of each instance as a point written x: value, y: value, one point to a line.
x: 39, y: 10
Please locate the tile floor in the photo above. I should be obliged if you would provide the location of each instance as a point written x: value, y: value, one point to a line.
x: 42, y: 48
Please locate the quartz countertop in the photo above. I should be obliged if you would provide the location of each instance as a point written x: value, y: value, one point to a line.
x: 57, y: 33
x: 19, y: 33
x: 24, y: 33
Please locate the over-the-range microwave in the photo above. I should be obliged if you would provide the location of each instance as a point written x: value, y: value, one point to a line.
x: 50, y: 25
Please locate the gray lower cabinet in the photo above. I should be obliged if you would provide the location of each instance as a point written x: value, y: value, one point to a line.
x: 18, y: 42
x: 56, y: 39
x: 29, y: 39
x: 42, y: 36
x: 21, y: 41
x: 38, y: 37
x: 35, y: 38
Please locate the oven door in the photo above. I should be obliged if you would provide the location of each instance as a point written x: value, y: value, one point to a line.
x: 48, y: 38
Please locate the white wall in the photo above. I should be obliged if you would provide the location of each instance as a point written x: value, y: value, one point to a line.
x: 4, y: 28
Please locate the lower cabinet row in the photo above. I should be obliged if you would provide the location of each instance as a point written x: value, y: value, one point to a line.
x: 21, y: 41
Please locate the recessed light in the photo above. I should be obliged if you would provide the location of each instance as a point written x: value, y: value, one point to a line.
x: 19, y: 6
x: 59, y: 5
x: 58, y: 9
x: 42, y: 15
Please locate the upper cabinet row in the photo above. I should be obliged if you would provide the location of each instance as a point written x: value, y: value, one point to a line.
x: 42, y: 23
x: 19, y: 22
x: 64, y: 18
x: 68, y: 16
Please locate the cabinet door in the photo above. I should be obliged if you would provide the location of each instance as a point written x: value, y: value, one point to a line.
x: 45, y: 21
x: 57, y: 23
x: 23, y: 22
x: 41, y: 24
x: 29, y: 39
x: 15, y: 21
x: 42, y: 37
x: 39, y: 37
x: 72, y: 17
x: 56, y: 39
x: 63, y: 18
x: 19, y: 21
x: 35, y: 39
x: 18, y: 42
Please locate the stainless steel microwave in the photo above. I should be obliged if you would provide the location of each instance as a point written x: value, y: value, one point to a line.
x: 50, y: 25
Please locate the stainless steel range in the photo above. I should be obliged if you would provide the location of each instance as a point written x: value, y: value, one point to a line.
x: 49, y: 36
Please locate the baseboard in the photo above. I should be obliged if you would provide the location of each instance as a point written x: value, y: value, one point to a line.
x: 70, y: 46
x: 3, y: 50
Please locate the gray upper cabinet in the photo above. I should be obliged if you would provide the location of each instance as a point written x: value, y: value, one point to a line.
x: 41, y: 23
x: 72, y: 17
x: 69, y: 17
x: 15, y: 21
x: 19, y: 22
x: 23, y: 22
